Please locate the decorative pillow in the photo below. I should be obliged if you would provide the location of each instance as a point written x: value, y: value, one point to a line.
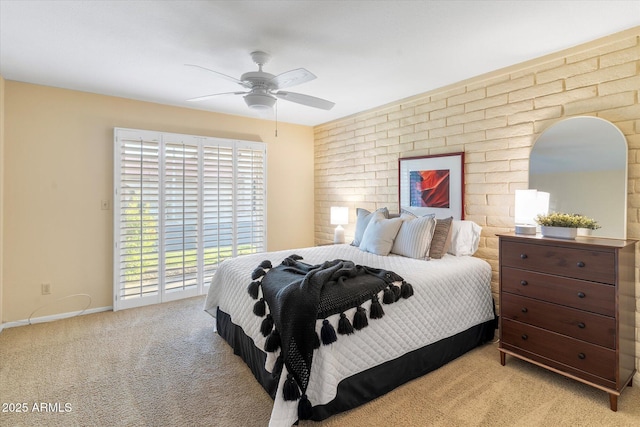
x: 362, y: 220
x: 380, y: 233
x: 465, y: 237
x: 414, y: 237
x: 405, y: 211
x: 441, y: 241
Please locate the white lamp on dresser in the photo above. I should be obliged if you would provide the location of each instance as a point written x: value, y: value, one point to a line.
x: 528, y: 205
x: 339, y: 217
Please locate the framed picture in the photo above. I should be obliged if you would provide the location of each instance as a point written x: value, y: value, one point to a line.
x: 432, y: 184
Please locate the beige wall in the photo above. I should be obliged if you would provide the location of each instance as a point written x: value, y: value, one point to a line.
x: 495, y: 120
x: 58, y: 166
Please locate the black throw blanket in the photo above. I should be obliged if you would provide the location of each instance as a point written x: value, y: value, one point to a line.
x: 297, y: 294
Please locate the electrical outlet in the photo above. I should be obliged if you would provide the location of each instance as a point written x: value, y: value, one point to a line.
x: 46, y: 288
x: 104, y: 205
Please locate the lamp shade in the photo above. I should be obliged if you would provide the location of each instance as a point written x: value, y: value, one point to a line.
x: 339, y: 215
x: 528, y: 205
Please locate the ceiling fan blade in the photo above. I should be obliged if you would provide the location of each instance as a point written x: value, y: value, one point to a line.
x: 310, y: 101
x: 224, y: 76
x: 205, y: 97
x: 292, y: 78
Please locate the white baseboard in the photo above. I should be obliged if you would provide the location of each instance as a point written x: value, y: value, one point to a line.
x: 53, y: 317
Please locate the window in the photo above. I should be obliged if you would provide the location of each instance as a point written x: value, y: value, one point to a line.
x: 182, y: 205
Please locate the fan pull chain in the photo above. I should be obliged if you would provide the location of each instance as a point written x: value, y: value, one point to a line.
x: 276, y: 119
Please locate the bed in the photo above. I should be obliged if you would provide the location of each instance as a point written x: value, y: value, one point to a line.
x: 450, y: 312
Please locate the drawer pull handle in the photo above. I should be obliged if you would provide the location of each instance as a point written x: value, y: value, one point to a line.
x: 525, y: 336
x: 582, y: 356
x: 581, y: 295
x: 523, y: 256
x: 581, y: 325
x: 580, y: 264
x: 524, y: 282
x: 524, y: 309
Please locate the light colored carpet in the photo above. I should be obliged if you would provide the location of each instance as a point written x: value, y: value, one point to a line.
x: 165, y: 366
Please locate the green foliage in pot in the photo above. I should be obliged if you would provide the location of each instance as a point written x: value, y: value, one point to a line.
x: 558, y: 219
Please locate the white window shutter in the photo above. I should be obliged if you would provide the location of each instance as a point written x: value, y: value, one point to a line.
x: 217, y: 207
x: 183, y: 205
x: 250, y: 200
x: 137, y: 207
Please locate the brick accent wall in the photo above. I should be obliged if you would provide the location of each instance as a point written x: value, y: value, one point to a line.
x: 495, y: 119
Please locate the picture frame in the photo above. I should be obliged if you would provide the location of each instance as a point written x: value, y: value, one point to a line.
x: 432, y: 184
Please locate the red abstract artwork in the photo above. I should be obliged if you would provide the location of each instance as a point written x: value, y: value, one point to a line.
x: 429, y: 188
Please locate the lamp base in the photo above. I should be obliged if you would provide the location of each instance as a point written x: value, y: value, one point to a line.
x: 338, y: 235
x: 525, y: 229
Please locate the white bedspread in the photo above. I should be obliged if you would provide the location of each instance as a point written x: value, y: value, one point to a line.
x: 451, y: 295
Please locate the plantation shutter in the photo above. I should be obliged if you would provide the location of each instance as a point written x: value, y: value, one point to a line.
x: 137, y: 229
x: 217, y: 206
x: 183, y: 204
x: 181, y: 209
x: 250, y: 203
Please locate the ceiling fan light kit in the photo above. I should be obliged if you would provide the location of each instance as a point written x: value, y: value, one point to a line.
x: 264, y: 88
x: 258, y: 101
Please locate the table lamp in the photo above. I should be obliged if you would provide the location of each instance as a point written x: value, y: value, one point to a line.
x: 339, y: 217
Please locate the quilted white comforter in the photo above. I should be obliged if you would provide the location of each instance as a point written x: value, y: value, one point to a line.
x: 451, y: 295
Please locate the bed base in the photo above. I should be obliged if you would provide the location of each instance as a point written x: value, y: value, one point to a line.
x: 367, y: 385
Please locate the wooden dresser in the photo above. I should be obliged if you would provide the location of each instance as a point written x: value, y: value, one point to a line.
x: 569, y: 306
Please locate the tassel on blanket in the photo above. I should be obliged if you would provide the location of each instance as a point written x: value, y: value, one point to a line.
x: 305, y: 410
x: 396, y: 291
x: 265, y: 264
x: 407, y: 289
x: 344, y: 326
x: 290, y: 390
x: 288, y: 262
x: 360, y: 319
x: 376, y: 311
x: 291, y: 260
x: 267, y: 325
x: 253, y: 289
x: 388, y: 297
x: 273, y: 342
x: 327, y: 333
x: 260, y: 308
x: 257, y: 273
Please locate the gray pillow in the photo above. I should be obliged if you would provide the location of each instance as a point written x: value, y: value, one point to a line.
x: 380, y: 233
x: 363, y: 217
x: 414, y: 237
x: 441, y: 238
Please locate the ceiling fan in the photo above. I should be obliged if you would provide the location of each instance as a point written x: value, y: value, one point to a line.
x: 264, y: 88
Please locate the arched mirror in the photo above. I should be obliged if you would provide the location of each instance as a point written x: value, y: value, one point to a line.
x: 582, y: 163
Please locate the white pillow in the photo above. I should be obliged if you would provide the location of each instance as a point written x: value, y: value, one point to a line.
x: 465, y: 237
x: 414, y: 237
x: 363, y: 217
x: 380, y: 233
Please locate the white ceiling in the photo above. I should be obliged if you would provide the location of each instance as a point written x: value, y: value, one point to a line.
x: 364, y: 53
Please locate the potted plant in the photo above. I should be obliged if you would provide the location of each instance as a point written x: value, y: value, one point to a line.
x: 564, y: 226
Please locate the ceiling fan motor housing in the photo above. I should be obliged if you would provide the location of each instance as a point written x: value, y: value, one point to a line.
x: 259, y: 79
x: 261, y: 83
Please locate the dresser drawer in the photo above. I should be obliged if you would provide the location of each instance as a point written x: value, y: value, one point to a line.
x: 582, y: 325
x: 581, y: 355
x: 580, y: 294
x: 597, y: 266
